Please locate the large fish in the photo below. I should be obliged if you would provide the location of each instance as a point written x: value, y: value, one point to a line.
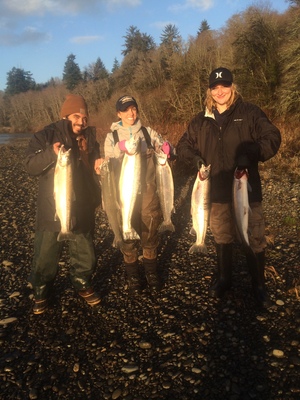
x: 63, y: 193
x: 200, y: 209
x: 241, y: 203
x: 129, y: 186
x: 165, y: 190
x: 110, y: 203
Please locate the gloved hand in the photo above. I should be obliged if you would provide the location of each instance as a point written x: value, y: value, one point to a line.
x: 122, y: 145
x: 249, y: 152
x: 199, y: 161
x: 166, y: 148
x: 243, y: 162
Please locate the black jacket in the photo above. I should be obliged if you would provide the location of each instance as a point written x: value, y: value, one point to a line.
x: 246, y: 136
x: 41, y: 160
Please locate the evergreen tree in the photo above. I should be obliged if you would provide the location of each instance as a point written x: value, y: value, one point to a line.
x: 170, y: 38
x: 135, y: 40
x: 116, y: 65
x: 203, y: 27
x: 71, y: 75
x: 96, y: 71
x: 19, y: 81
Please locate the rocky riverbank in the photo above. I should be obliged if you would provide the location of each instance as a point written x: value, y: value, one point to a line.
x: 177, y: 345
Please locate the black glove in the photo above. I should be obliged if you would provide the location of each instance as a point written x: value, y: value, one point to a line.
x: 243, y: 161
x: 199, y: 161
x: 249, y: 152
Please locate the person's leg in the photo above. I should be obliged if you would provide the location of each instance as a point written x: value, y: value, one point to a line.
x: 83, y: 261
x: 150, y: 267
x: 151, y: 217
x: 44, y: 268
x: 130, y: 255
x: 256, y: 259
x: 223, y: 231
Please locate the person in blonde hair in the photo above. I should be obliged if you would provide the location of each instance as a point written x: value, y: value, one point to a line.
x: 231, y: 133
x: 72, y: 132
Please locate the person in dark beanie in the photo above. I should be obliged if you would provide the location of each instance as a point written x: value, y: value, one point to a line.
x: 71, y: 132
x: 147, y: 214
x: 231, y: 133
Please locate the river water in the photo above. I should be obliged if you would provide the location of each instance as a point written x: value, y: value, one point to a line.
x: 6, y: 138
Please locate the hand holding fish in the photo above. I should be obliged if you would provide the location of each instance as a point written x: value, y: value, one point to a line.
x: 200, y: 162
x: 166, y: 148
x: 128, y: 146
x: 56, y: 147
x: 97, y: 165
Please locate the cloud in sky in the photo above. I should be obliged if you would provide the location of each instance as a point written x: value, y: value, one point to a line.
x: 200, y: 5
x: 14, y: 13
x: 17, y: 8
x: 85, y: 39
x: 29, y: 35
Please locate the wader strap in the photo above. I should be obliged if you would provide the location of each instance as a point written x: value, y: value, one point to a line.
x: 145, y: 133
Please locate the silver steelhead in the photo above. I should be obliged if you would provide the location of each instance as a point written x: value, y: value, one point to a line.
x: 129, y: 186
x: 63, y: 194
x: 109, y: 199
x: 241, y: 204
x: 165, y: 190
x: 200, y: 208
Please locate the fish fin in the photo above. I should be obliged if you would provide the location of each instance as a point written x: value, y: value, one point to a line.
x: 198, y: 248
x: 249, y: 188
x: 62, y: 236
x: 193, y: 231
x: 117, y: 242
x: 173, y: 210
x: 166, y: 226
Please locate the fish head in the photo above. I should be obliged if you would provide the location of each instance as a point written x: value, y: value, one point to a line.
x: 160, y: 157
x: 241, y: 173
x: 104, y: 168
x: 64, y: 156
x: 204, y: 172
x: 132, y: 145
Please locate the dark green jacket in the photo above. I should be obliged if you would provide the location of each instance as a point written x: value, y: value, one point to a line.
x: 41, y: 160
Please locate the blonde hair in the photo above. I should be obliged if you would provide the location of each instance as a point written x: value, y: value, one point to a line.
x: 210, y: 103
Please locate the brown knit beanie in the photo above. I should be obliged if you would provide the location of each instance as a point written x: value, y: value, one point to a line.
x: 73, y: 104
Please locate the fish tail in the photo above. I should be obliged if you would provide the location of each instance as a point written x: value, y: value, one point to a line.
x: 198, y: 248
x: 131, y: 235
x: 62, y: 236
x: 166, y: 226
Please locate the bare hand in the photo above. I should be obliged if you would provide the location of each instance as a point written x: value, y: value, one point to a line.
x: 97, y: 165
x: 56, y: 147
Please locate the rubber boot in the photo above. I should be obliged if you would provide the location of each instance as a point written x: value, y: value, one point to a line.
x: 85, y: 290
x: 256, y: 264
x: 224, y: 273
x: 152, y: 278
x: 41, y: 297
x: 133, y: 278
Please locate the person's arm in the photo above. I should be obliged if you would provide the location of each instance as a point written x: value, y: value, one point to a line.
x: 40, y: 155
x: 265, y: 141
x: 111, y: 150
x: 187, y: 148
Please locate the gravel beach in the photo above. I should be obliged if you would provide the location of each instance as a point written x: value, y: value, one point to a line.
x: 179, y: 344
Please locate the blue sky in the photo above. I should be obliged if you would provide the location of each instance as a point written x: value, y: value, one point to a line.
x: 38, y: 35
